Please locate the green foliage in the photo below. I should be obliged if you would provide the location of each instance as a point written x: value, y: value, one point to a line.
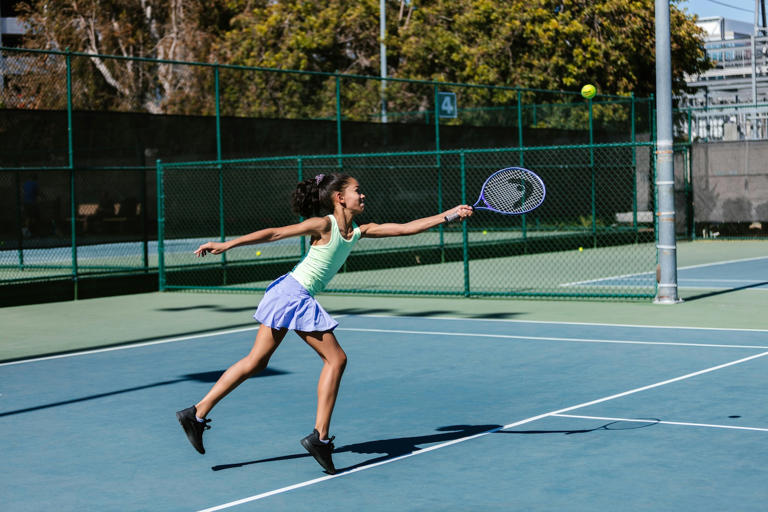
x: 534, y: 44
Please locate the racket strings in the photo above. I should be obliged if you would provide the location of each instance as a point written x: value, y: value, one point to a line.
x: 513, y: 191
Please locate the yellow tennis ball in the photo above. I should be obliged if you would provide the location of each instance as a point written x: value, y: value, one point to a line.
x: 588, y: 91
x: 485, y: 232
x: 258, y: 253
x: 581, y: 249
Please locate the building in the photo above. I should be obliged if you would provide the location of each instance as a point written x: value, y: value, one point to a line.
x: 11, y: 30
x: 725, y: 101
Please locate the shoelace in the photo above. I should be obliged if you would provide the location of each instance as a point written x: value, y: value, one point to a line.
x: 205, y: 424
x: 330, y: 442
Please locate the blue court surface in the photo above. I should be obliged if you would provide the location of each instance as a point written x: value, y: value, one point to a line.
x: 740, y: 274
x: 433, y: 414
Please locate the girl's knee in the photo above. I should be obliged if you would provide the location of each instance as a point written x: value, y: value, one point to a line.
x: 340, y: 361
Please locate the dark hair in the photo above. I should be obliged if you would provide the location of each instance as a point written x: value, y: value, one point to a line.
x: 314, y: 196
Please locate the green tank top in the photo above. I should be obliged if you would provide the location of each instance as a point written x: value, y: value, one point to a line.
x: 322, y: 262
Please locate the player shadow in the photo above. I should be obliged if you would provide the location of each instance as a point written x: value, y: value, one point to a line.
x: 388, y: 448
x: 211, y: 307
x: 208, y: 377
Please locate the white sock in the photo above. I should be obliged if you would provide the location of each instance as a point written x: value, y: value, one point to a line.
x: 324, y: 441
x: 200, y: 420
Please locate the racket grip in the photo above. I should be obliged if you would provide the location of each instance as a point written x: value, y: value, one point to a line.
x: 452, y: 217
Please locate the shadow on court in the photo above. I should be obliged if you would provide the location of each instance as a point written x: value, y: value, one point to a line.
x: 428, y: 313
x: 389, y: 448
x: 613, y: 425
x: 397, y: 447
x: 209, y: 377
x: 721, y: 292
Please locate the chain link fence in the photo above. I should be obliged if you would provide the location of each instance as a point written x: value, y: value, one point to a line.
x: 80, y: 135
x: 592, y: 237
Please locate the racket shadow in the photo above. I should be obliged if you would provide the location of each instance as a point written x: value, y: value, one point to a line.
x: 612, y: 425
x: 388, y: 448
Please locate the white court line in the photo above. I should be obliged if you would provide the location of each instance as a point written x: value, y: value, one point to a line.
x: 508, y: 320
x: 651, y: 273
x: 682, y: 423
x: 125, y: 347
x: 137, y: 345
x: 245, y: 329
x: 548, y: 338
x: 475, y: 436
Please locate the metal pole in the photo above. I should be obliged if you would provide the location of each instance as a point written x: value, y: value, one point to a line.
x: 464, y: 232
x: 440, y: 229
x: 338, y: 118
x: 222, y: 227
x: 665, y: 184
x: 521, y: 159
x: 593, y: 191
x: 383, y: 52
x: 160, y: 227
x: 72, y: 194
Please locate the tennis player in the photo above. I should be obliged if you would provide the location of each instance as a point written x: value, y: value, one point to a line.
x: 289, y: 302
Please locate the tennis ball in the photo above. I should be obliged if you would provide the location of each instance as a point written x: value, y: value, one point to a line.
x: 581, y: 249
x: 588, y: 91
x: 258, y: 253
x: 485, y: 232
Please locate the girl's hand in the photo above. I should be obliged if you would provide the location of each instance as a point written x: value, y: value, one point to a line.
x: 463, y: 211
x: 211, y: 247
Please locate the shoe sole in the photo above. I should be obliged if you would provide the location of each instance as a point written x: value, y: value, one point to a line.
x: 311, y: 449
x: 190, y: 433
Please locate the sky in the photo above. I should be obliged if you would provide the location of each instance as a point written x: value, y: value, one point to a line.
x: 741, y: 10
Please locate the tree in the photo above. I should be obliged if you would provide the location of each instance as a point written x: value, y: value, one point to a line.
x: 538, y: 44
x: 534, y: 44
x: 155, y: 29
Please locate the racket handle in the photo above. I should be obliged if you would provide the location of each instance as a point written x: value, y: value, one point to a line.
x: 452, y: 217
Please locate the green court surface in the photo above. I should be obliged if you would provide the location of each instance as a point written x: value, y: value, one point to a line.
x: 446, y: 404
x: 52, y: 328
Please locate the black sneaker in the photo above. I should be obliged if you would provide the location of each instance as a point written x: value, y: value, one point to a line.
x: 193, y: 428
x: 320, y: 451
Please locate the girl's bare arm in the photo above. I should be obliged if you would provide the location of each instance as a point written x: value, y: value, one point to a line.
x: 415, y: 226
x: 315, y: 226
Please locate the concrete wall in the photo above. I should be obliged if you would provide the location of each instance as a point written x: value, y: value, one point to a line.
x: 730, y: 182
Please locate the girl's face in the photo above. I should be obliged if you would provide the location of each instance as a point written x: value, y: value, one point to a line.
x: 351, y: 198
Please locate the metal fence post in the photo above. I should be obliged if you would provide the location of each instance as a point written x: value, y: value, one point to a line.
x: 160, y: 227
x: 338, y: 118
x: 592, y: 172
x: 222, y: 228
x: 72, y: 194
x: 521, y: 158
x: 464, y: 228
x: 440, y: 228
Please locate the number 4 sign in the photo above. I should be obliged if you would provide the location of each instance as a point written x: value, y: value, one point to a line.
x: 446, y: 104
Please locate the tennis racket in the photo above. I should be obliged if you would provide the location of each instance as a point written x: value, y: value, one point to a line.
x: 510, y: 191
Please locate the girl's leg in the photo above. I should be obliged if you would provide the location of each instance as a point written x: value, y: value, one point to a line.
x: 335, y: 360
x: 267, y: 341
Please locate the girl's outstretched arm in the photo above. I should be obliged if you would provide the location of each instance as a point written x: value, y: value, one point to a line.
x: 415, y: 226
x: 315, y: 227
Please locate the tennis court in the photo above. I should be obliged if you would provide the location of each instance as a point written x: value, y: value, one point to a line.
x: 447, y: 404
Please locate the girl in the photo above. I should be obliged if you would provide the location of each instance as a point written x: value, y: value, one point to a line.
x: 289, y: 303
